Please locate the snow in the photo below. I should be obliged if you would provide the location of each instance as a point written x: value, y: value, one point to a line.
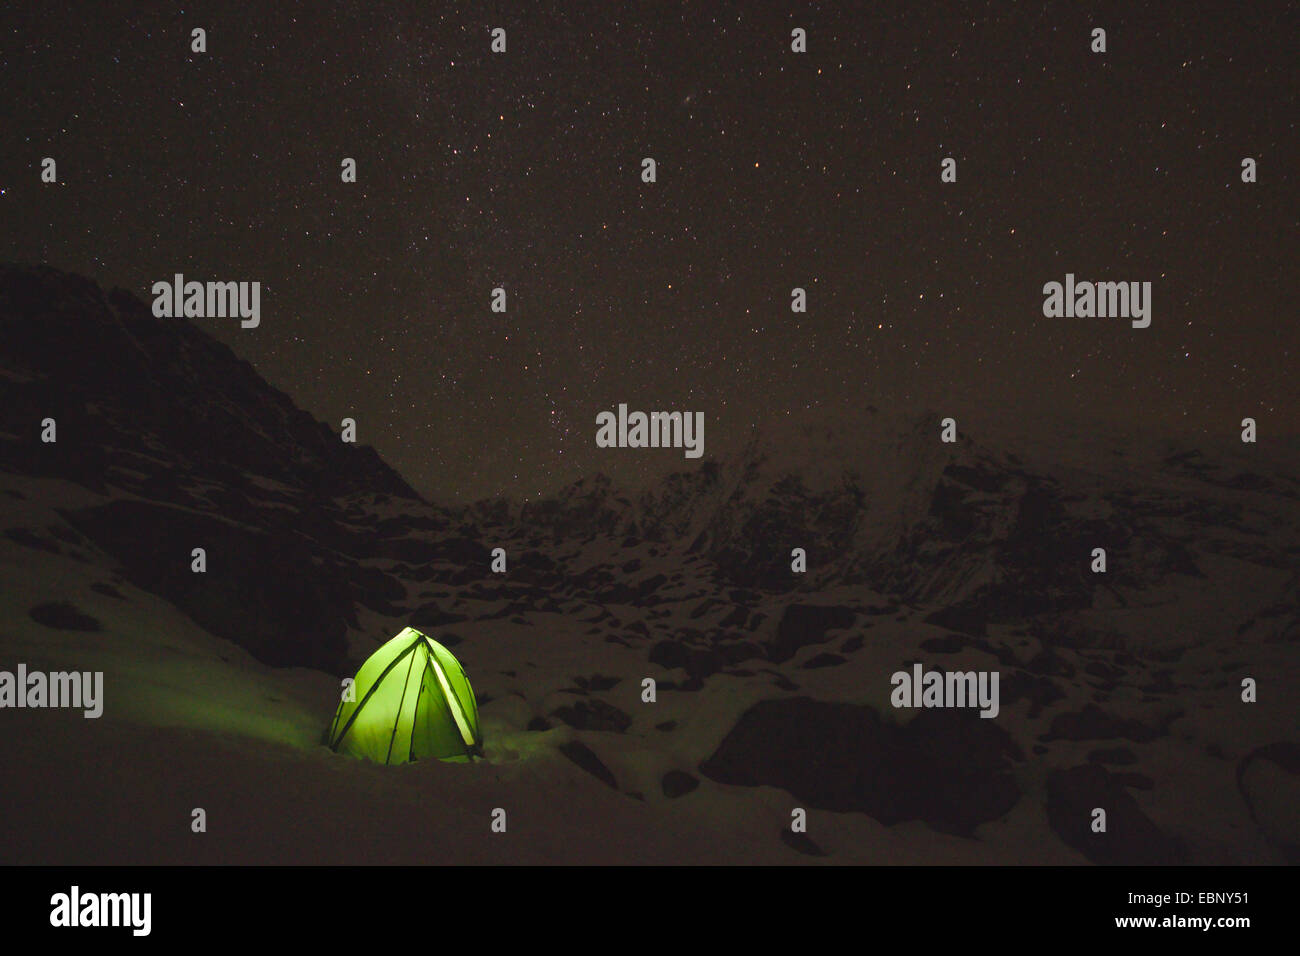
x: 195, y: 721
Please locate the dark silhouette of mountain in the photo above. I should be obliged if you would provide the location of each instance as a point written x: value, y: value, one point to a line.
x: 123, y: 386
x: 198, y: 452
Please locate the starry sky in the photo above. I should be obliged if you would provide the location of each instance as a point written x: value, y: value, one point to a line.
x: 775, y: 170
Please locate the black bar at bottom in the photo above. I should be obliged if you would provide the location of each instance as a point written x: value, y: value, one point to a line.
x: 324, y: 905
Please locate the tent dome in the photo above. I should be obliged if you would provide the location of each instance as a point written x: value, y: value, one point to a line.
x: 411, y: 700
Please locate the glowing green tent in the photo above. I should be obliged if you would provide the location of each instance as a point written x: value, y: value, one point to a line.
x: 410, y: 700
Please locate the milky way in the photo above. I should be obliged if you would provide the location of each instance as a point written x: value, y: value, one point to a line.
x: 775, y: 170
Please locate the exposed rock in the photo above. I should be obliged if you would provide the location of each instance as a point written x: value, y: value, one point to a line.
x: 1131, y: 838
x: 803, y: 624
x: 593, y: 714
x: 586, y: 758
x: 1093, y: 723
x: 678, y: 783
x: 64, y: 617
x: 948, y: 768
x: 264, y: 593
x: 1269, y: 780
x: 801, y: 843
x: 823, y: 660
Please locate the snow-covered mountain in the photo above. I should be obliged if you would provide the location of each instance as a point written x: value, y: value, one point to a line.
x: 1119, y: 689
x: 986, y: 533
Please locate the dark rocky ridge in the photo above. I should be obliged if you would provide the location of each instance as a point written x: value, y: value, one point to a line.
x: 126, y: 387
x: 201, y: 452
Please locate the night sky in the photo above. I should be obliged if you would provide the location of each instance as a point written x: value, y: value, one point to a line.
x: 775, y: 170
